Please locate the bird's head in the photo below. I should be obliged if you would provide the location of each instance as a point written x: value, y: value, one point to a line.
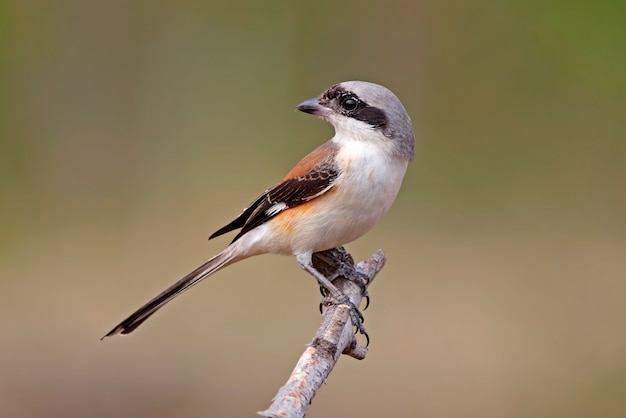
x: 364, y: 110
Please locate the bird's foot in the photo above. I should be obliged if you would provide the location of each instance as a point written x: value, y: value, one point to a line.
x: 355, y: 314
x: 352, y: 274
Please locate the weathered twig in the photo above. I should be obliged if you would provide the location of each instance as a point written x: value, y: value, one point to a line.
x: 334, y: 336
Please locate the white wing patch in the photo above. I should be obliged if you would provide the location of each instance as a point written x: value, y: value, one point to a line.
x: 278, y: 207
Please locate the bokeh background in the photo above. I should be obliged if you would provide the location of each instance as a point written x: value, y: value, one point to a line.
x: 129, y: 131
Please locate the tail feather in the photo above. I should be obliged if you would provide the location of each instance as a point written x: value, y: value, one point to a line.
x: 140, y: 315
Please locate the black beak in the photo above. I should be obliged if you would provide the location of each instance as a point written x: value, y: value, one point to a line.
x: 313, y: 107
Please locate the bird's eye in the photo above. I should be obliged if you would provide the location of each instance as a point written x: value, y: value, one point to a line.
x: 349, y: 103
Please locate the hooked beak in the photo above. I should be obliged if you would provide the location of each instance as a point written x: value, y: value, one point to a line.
x: 313, y: 107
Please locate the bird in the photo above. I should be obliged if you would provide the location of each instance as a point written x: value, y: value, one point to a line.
x: 333, y: 196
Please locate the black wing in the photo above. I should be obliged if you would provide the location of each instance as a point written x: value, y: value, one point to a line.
x: 289, y: 193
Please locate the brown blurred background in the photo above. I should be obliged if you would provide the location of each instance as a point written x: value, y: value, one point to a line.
x: 129, y: 131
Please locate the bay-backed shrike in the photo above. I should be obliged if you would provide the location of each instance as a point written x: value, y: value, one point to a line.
x: 331, y: 197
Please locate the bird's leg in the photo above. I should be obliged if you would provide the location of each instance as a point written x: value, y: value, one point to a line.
x: 347, y: 270
x: 304, y: 260
x: 351, y: 273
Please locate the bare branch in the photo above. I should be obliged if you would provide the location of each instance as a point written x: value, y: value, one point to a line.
x: 334, y: 336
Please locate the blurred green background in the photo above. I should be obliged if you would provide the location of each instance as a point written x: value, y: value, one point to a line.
x: 129, y: 131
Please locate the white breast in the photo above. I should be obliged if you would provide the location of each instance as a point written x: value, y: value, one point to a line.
x: 370, y: 179
x: 362, y: 194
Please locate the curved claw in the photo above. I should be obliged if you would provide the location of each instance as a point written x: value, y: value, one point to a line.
x: 357, y: 320
x: 361, y: 317
x: 367, y: 301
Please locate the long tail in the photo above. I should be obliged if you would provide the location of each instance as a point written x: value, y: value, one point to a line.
x: 214, y: 264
